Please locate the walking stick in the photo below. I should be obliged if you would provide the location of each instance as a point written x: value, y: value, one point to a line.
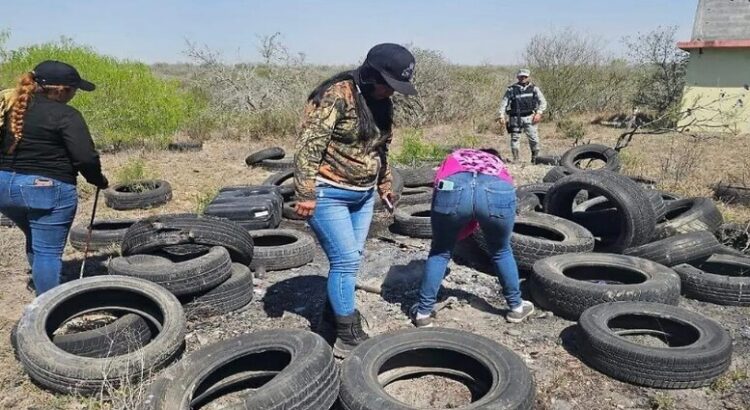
x: 88, y: 236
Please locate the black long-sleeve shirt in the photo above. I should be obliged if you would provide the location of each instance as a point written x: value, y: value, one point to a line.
x: 56, y: 144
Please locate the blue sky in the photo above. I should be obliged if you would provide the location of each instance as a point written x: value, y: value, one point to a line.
x: 333, y: 31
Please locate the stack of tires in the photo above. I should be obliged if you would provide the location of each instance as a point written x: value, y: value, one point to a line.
x: 252, y: 207
x: 202, y: 260
x: 147, y: 334
x: 271, y: 159
x: 648, y: 248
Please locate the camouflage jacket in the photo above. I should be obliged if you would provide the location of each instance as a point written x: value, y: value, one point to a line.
x: 329, y: 149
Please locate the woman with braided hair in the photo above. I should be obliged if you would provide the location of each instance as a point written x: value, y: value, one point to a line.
x: 44, y: 144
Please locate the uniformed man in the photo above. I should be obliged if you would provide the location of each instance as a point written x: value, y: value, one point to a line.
x: 524, y: 105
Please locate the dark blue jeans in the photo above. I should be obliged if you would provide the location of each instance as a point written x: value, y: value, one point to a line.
x: 43, y: 209
x: 341, y: 221
x: 492, y: 202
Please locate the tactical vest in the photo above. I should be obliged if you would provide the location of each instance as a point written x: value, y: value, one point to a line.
x: 522, y: 102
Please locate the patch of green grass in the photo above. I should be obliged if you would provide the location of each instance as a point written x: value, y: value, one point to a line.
x: 415, y: 150
x: 203, y: 198
x: 728, y: 380
x: 130, y: 106
x: 133, y: 171
x: 661, y: 401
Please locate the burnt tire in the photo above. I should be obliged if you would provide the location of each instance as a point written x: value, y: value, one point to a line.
x: 538, y: 236
x: 124, y: 335
x: 696, y: 350
x: 288, y: 369
x: 264, y: 154
x: 678, y: 249
x: 688, y: 215
x: 636, y: 215
x: 233, y: 294
x: 570, y: 284
x: 527, y: 202
x: 157, y: 232
x: 539, y: 190
x: 555, y: 174
x: 721, y: 279
x: 413, y: 221
x: 415, y: 196
x: 63, y: 372
x: 105, y: 233
x: 185, y: 146
x: 185, y: 275
x: 498, y: 377
x: 277, y: 164
x: 280, y: 249
x: 138, y: 195
x: 572, y: 158
x: 547, y: 160
x: 732, y: 194
x: 418, y: 177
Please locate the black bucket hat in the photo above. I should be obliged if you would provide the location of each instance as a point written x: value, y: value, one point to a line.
x: 396, y: 64
x: 52, y: 72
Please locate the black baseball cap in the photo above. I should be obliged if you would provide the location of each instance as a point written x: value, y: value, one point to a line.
x: 52, y: 72
x: 396, y: 64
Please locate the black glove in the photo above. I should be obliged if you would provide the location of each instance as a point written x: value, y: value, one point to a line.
x: 103, y: 183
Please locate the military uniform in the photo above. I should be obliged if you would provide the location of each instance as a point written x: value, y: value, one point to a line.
x: 330, y: 150
x: 520, y: 103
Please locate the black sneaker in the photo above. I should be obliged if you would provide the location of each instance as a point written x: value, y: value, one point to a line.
x: 422, y: 322
x: 527, y: 308
x: 349, y: 334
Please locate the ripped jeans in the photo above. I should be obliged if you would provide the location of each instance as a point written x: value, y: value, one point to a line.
x: 341, y: 222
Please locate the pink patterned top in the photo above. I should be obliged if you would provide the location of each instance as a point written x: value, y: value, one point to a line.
x: 472, y: 160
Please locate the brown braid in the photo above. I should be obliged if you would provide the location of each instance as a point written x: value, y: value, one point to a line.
x: 26, y: 87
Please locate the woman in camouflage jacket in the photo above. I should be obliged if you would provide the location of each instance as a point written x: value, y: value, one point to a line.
x: 342, y: 158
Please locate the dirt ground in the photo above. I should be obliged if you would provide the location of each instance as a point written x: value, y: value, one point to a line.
x: 292, y: 299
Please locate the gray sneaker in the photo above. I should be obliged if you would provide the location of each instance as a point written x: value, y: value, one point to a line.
x: 425, y: 322
x: 527, y: 308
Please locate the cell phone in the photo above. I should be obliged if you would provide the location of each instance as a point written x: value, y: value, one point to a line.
x: 445, y: 185
x: 388, y: 204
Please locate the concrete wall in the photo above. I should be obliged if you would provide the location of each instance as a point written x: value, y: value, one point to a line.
x: 716, y: 89
x: 722, y: 20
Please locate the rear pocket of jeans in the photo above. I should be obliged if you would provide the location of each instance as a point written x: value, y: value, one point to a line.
x: 501, y: 204
x: 40, y: 197
x: 446, y: 202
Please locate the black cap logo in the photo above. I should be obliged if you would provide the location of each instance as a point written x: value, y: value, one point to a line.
x: 408, y: 72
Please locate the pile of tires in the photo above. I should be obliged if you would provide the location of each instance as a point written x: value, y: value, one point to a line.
x: 272, y: 159
x: 147, y: 336
x: 252, y: 207
x: 203, y: 260
x: 143, y: 194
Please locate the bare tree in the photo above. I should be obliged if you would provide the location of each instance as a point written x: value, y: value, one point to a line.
x: 574, y: 72
x: 662, y: 68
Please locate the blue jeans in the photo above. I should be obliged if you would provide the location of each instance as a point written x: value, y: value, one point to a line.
x: 341, y: 221
x: 492, y: 202
x: 43, y: 209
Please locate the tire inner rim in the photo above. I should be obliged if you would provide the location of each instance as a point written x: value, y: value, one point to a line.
x: 605, y: 275
x: 526, y: 229
x: 653, y: 331
x: 245, y: 374
x: 273, y: 240
x: 440, y: 362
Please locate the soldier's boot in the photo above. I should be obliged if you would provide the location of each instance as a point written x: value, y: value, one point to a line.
x: 534, y: 154
x: 514, y: 152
